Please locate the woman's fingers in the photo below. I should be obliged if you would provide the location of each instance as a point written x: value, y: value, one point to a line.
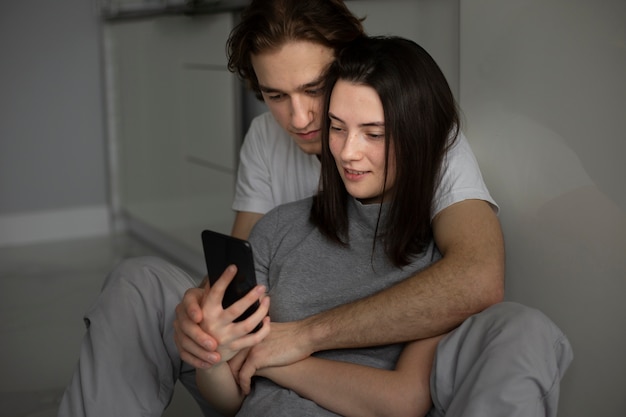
x: 221, y: 323
x: 216, y: 291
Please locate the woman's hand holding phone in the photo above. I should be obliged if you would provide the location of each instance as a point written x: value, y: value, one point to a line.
x: 233, y: 336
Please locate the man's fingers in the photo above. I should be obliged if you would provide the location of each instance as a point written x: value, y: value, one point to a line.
x: 237, y: 361
x: 194, y: 344
x: 245, y: 375
x: 190, y: 306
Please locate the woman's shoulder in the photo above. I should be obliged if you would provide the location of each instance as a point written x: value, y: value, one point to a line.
x: 294, y: 212
x: 285, y: 217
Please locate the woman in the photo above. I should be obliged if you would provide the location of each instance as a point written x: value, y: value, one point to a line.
x: 391, y: 118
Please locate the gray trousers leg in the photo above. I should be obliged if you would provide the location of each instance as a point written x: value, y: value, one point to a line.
x: 506, y: 361
x: 129, y: 363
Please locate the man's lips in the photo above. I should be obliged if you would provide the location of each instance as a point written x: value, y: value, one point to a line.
x: 310, y: 135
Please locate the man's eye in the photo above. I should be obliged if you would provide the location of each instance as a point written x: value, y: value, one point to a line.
x: 273, y: 96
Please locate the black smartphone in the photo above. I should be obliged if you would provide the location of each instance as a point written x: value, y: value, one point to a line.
x: 221, y: 250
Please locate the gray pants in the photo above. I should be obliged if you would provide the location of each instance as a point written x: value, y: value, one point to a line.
x: 505, y: 361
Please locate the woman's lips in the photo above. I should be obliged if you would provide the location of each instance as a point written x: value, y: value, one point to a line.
x: 353, y: 174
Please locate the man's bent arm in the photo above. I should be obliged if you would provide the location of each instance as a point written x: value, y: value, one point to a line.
x: 243, y: 224
x: 468, y: 279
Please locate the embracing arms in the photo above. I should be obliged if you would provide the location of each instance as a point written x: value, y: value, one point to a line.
x: 361, y: 391
x: 466, y: 280
x: 345, y: 388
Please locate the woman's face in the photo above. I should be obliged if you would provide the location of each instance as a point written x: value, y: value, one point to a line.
x: 357, y: 141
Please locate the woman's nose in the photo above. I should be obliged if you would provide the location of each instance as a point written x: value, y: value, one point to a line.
x: 351, y: 147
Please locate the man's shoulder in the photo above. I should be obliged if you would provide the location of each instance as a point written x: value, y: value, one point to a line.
x: 264, y: 128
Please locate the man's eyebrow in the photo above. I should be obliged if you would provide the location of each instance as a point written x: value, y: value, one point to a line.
x: 315, y: 83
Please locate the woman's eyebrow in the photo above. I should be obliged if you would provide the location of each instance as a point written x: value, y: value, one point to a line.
x: 369, y: 124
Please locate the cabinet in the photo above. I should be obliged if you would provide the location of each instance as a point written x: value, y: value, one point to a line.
x: 174, y: 129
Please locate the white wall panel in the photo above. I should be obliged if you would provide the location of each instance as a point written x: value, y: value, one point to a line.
x: 174, y: 127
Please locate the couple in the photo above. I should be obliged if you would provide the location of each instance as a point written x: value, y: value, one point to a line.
x: 390, y: 145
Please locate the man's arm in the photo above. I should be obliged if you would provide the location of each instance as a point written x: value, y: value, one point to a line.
x: 244, y: 222
x: 468, y: 278
x: 195, y: 346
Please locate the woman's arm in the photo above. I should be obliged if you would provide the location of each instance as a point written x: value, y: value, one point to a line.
x: 217, y: 384
x: 355, y: 390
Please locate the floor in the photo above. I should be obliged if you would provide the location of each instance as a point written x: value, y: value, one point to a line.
x: 44, y: 290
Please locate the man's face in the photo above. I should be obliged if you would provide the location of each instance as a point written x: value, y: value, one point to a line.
x: 290, y: 79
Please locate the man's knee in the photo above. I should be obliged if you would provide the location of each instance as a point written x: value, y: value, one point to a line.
x: 518, y: 325
x: 136, y: 285
x: 135, y: 272
x: 515, y: 318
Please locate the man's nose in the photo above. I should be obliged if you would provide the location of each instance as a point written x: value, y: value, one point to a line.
x: 302, y: 112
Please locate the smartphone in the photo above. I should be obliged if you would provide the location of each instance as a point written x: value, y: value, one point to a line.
x: 222, y: 250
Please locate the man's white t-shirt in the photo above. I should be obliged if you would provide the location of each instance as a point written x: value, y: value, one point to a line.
x: 273, y: 170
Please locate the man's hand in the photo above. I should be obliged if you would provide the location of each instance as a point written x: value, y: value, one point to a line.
x: 284, y: 345
x: 196, y: 347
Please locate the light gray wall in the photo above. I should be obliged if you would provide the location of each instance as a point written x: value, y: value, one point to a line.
x: 434, y: 24
x: 52, y: 148
x: 543, y: 89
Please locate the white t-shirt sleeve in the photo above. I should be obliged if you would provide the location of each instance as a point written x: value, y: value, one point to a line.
x: 273, y: 170
x: 253, y: 190
x: 461, y: 178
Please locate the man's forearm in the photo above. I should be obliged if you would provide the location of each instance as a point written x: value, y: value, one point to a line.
x: 465, y: 281
x: 417, y: 308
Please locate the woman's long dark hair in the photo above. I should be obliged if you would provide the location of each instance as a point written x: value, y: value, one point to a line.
x: 421, y: 123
